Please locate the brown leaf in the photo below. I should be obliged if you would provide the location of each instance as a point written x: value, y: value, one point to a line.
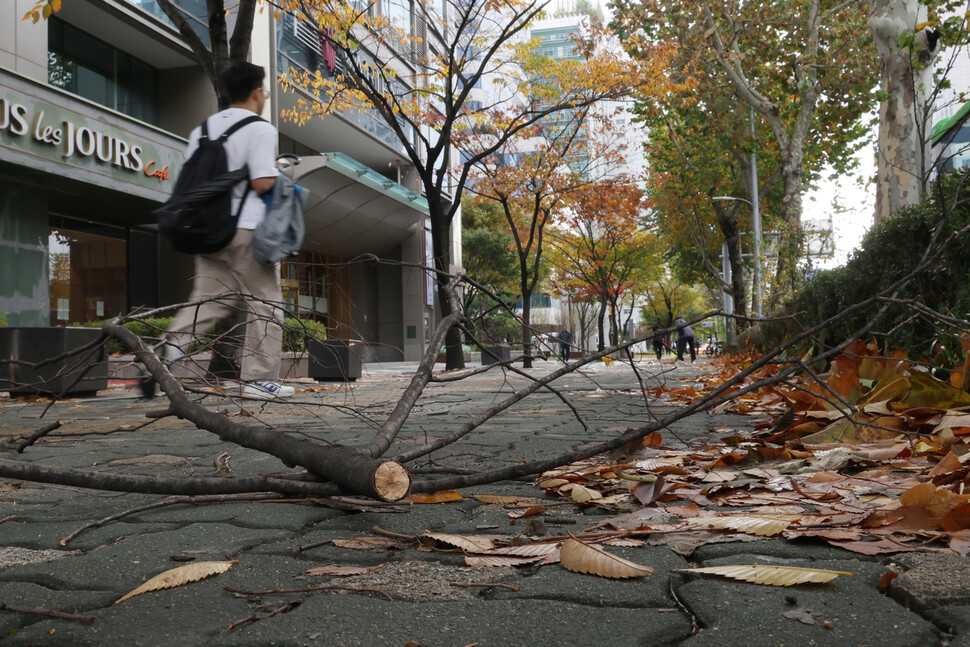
x: 957, y: 519
x: 341, y: 571
x: 445, y: 496
x: 179, y: 576
x: 526, y: 550
x: 885, y: 579
x: 500, y: 560
x: 369, y: 543
x: 471, y: 543
x: 647, y: 493
x: 583, y: 558
x: 526, y: 512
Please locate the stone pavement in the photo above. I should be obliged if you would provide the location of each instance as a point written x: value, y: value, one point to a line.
x: 437, y: 600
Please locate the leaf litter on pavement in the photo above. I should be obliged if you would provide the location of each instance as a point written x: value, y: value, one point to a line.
x: 869, y: 457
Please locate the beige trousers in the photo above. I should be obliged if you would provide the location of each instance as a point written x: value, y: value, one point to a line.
x: 234, y: 269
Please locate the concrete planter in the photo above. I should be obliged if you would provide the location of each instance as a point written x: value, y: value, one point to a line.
x: 83, y: 373
x: 334, y: 359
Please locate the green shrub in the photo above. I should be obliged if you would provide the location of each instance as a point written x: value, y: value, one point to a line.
x: 296, y: 332
x: 890, y: 251
x: 3, y: 320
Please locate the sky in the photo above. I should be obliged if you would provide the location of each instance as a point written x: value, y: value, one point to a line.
x: 854, y: 197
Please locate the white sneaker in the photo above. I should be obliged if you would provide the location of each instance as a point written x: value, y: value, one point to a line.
x: 266, y: 390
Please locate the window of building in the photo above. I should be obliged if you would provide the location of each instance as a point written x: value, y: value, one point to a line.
x: 88, y: 272
x: 194, y: 10
x: 91, y: 68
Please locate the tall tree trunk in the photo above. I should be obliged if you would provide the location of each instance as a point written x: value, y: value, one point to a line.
x: 601, y: 328
x: 906, y: 76
x: 527, y: 346
x: 728, y: 223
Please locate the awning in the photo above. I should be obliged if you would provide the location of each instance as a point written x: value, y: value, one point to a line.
x: 354, y: 210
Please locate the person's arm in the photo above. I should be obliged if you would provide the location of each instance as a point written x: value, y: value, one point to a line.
x: 262, y: 184
x: 262, y: 158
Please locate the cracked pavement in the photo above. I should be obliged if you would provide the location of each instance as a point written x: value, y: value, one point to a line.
x: 438, y: 601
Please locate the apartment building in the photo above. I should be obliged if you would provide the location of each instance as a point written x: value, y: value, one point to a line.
x: 95, y: 107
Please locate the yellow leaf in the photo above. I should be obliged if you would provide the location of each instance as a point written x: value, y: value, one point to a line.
x: 580, y: 493
x: 770, y: 575
x: 56, y: 5
x: 445, y: 496
x: 179, y: 576
x: 750, y: 524
x: 583, y: 558
x: 46, y: 11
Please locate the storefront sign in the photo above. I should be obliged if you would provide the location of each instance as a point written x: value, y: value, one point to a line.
x: 87, y: 145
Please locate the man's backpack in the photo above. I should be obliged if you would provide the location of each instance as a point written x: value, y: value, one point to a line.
x: 197, y: 218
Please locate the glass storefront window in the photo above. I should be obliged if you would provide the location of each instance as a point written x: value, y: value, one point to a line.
x: 88, y: 275
x: 91, y: 68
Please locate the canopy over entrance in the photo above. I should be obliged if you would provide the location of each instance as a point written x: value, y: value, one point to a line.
x: 354, y: 210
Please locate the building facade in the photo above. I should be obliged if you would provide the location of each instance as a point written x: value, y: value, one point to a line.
x: 95, y: 108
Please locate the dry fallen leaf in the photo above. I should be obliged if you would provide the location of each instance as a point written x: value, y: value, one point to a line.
x: 770, y: 575
x: 580, y: 493
x: 445, y: 496
x: 369, y: 543
x: 179, y: 576
x: 762, y: 526
x: 471, y: 543
x: 500, y: 560
x: 583, y: 558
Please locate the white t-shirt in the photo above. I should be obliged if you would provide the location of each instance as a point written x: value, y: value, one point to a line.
x: 254, y: 144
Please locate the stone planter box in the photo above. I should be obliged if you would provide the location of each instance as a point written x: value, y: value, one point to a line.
x: 492, y: 354
x: 38, y: 344
x: 334, y: 359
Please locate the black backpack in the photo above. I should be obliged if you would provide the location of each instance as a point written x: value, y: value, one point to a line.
x: 197, y: 218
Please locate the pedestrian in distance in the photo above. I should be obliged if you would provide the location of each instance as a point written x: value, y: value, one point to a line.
x: 565, y: 342
x: 685, y: 338
x: 234, y: 268
x: 659, y: 341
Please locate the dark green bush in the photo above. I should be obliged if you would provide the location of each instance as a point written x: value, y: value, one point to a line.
x: 296, y: 332
x: 890, y: 251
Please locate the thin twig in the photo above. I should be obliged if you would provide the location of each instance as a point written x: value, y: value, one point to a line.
x: 37, y: 435
x: 309, y: 589
x: 48, y: 612
x: 287, y: 606
x: 489, y: 585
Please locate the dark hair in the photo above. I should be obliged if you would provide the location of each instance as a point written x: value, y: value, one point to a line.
x: 240, y: 79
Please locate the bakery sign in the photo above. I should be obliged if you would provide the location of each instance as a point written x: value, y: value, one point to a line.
x: 86, y: 143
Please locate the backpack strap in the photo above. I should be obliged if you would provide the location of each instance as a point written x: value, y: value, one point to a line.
x: 239, y: 124
x: 223, y: 137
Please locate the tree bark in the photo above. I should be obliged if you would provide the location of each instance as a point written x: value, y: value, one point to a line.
x: 906, y: 74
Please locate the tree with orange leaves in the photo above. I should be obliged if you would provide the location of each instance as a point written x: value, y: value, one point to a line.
x: 603, y: 245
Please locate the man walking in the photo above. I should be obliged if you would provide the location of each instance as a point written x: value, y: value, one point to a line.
x: 658, y: 339
x: 565, y: 340
x: 234, y: 269
x: 685, y: 337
